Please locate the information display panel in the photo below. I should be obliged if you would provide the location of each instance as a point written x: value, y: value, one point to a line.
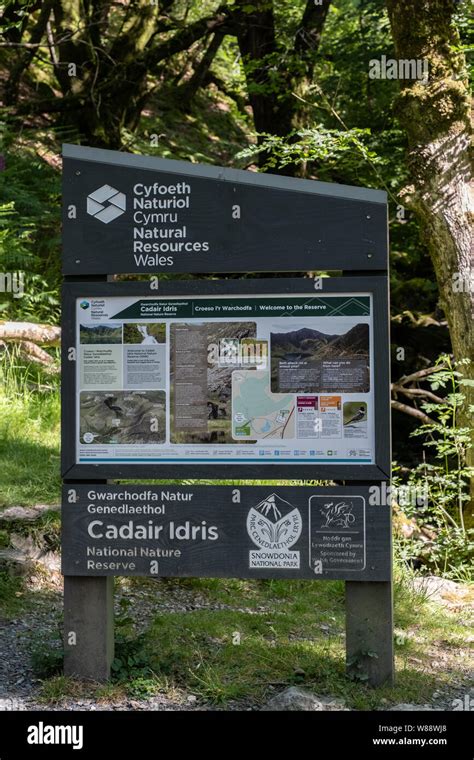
x: 250, y: 378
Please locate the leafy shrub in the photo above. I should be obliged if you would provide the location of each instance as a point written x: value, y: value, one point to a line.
x: 131, y: 659
x: 445, y: 480
x: 30, y: 232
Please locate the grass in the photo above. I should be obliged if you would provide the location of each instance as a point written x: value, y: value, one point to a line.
x: 55, y: 689
x: 29, y: 438
x: 58, y: 688
x: 212, y: 131
x: 289, y: 633
x: 11, y: 595
x: 263, y: 636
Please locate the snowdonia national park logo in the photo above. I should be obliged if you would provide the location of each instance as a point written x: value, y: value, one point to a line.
x: 274, y: 525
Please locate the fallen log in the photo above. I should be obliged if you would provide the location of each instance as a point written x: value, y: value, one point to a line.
x: 45, y: 335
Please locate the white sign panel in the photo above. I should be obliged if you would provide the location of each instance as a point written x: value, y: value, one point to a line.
x: 278, y: 379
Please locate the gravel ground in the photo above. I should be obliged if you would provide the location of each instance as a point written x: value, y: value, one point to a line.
x: 19, y: 689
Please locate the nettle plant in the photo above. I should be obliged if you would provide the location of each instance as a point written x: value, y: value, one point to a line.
x: 446, y: 477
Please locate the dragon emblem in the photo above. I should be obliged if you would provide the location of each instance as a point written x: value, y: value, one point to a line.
x: 337, y: 514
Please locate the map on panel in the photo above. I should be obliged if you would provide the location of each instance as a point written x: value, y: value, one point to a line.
x: 257, y: 413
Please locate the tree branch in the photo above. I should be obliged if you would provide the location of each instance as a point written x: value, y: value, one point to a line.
x: 308, y: 34
x: 191, y: 87
x: 412, y: 412
x: 13, y: 83
x: 182, y: 40
x: 416, y: 392
x: 33, y: 353
x: 417, y: 376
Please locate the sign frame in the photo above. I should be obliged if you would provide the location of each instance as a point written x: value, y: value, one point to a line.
x: 375, y: 285
x: 235, y: 220
x: 286, y: 225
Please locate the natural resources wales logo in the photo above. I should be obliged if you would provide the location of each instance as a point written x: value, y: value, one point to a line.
x: 274, y: 526
x: 106, y: 204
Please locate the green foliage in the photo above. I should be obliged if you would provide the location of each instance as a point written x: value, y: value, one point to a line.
x: 29, y: 433
x: 47, y: 652
x: 47, y: 662
x: 357, y: 665
x: 464, y: 21
x: 446, y: 479
x: 29, y: 233
x: 11, y: 589
x: 142, y: 687
x: 21, y: 10
x: 15, y: 238
x: 331, y: 148
x: 131, y: 660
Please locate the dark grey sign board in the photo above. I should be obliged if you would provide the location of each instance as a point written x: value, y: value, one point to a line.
x: 225, y: 531
x: 221, y: 379
x: 125, y: 213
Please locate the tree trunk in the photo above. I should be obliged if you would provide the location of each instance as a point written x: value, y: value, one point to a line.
x: 255, y: 28
x: 189, y: 89
x: 26, y: 56
x: 307, y: 41
x: 271, y: 85
x: 436, y: 118
x: 109, y: 83
x: 112, y: 85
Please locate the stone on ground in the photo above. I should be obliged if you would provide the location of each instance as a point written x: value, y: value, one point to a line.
x: 295, y: 698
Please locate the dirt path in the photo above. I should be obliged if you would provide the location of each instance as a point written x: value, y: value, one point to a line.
x: 20, y: 689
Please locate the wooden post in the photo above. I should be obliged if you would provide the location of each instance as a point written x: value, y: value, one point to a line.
x: 88, y: 627
x: 88, y: 601
x: 369, y: 631
x: 369, y: 617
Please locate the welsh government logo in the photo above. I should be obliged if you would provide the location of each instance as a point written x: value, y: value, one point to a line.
x: 337, y: 515
x: 274, y: 526
x: 106, y: 204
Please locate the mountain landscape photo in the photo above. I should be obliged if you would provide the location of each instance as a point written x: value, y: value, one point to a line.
x: 298, y: 357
